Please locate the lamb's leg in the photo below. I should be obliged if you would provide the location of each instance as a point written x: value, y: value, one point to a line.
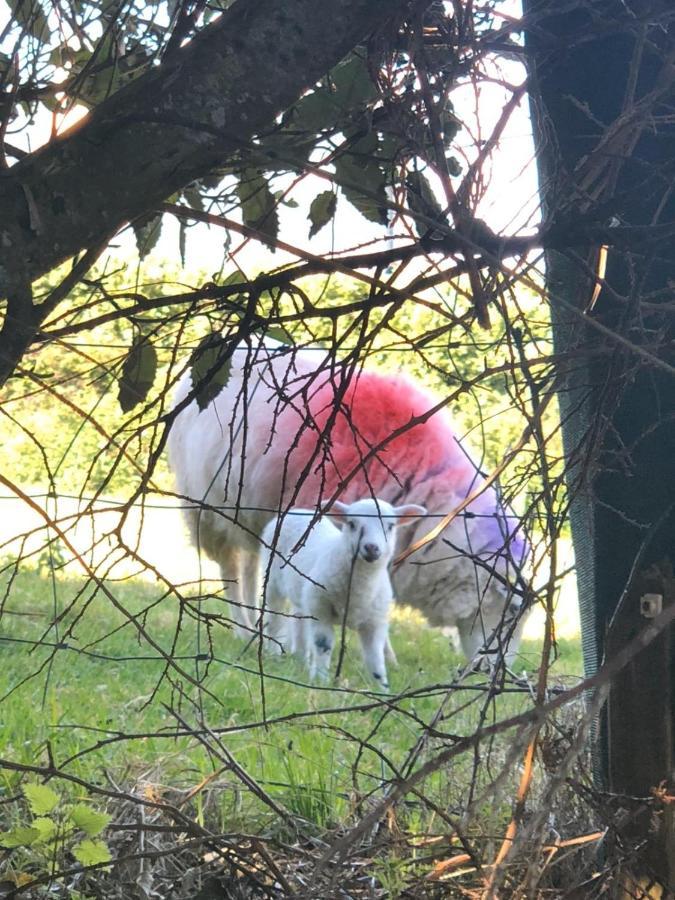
x: 472, y: 634
x: 298, y: 629
x: 231, y: 569
x: 320, y: 637
x: 374, y: 640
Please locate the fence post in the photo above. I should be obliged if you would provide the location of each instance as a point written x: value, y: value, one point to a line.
x: 640, y: 723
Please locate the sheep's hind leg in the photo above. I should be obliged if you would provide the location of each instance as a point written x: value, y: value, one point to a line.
x: 477, y: 630
x: 232, y: 572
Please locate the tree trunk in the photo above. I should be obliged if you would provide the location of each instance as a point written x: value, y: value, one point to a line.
x: 602, y: 78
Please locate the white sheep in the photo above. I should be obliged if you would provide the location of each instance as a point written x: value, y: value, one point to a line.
x: 334, y: 577
x: 289, y: 430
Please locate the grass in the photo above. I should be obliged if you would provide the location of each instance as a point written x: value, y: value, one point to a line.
x: 320, y: 754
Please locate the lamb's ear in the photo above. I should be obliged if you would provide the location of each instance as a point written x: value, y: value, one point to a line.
x: 337, y: 511
x: 410, y: 509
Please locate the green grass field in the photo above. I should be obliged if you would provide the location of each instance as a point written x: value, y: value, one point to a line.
x: 107, y: 706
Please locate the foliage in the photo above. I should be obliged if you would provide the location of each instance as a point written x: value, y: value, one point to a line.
x: 57, y: 829
x: 380, y: 126
x: 379, y: 118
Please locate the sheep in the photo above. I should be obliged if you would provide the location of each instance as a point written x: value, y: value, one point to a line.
x: 333, y: 577
x: 292, y: 429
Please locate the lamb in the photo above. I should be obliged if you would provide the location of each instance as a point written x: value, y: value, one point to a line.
x: 293, y: 429
x: 335, y: 577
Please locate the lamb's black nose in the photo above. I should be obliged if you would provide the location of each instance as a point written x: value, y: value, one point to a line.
x: 371, y: 552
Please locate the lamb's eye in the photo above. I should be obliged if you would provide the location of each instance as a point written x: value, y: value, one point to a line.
x: 390, y: 527
x: 352, y: 525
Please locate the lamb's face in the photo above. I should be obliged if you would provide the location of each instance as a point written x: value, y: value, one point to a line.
x: 370, y: 526
x: 371, y: 530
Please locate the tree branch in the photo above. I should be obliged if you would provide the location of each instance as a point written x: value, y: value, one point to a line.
x: 173, y: 124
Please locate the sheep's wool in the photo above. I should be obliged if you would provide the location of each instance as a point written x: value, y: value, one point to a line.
x: 374, y: 408
x: 307, y: 437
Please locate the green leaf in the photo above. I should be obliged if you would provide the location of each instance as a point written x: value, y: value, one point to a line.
x: 6, y: 63
x: 62, y: 55
x: 147, y: 231
x: 211, y: 364
x: 41, y: 798
x: 90, y: 853
x: 193, y: 197
x: 46, y: 828
x: 23, y: 836
x: 91, y: 821
x: 138, y: 373
x: 321, y: 211
x: 352, y: 84
x: 258, y: 207
x: 449, y: 123
x: 314, y: 112
x: 422, y: 201
x: 363, y: 179
x: 287, y: 148
x: 97, y: 74
x: 31, y: 17
x: 212, y: 181
x: 279, y: 334
x: 232, y: 279
x: 348, y: 86
x: 346, y: 90
x: 285, y: 201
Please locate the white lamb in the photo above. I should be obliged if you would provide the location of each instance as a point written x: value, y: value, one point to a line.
x: 332, y: 577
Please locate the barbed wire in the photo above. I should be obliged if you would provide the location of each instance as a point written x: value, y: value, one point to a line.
x: 224, y: 508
